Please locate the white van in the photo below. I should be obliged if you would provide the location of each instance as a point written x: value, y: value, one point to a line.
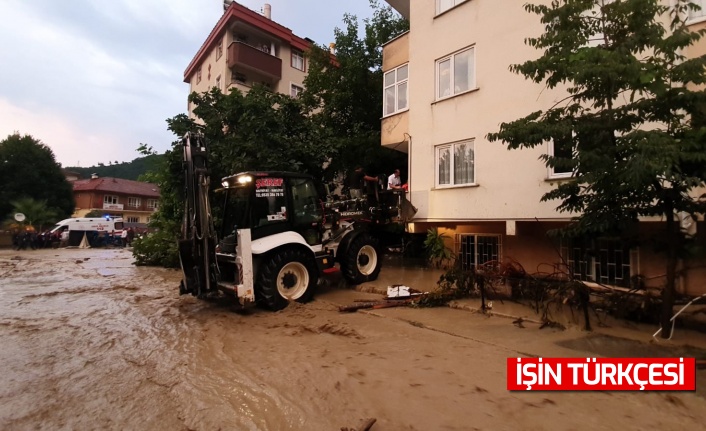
x: 90, y: 226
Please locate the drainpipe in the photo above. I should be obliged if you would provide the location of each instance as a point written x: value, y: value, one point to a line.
x: 409, y: 163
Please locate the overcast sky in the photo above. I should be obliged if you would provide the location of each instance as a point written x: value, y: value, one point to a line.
x: 93, y: 79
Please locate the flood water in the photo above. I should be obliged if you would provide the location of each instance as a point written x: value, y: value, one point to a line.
x: 90, y: 341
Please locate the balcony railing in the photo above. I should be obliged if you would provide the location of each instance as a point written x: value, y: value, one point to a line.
x: 243, y: 55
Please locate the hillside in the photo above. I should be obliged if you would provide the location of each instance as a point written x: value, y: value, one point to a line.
x: 126, y: 170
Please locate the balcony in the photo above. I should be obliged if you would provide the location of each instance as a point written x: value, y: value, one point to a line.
x: 395, y: 128
x: 393, y: 131
x: 245, y: 56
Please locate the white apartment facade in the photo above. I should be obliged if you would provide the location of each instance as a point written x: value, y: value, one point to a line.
x: 447, y: 85
x: 246, y: 48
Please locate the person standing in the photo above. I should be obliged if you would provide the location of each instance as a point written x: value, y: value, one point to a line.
x: 393, y: 181
x: 130, y: 236
x: 358, y: 182
x: 64, y: 237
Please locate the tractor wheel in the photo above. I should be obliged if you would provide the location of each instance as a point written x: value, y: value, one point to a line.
x: 362, y: 261
x: 288, y: 275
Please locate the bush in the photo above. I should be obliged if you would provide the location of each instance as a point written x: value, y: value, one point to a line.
x: 158, y: 248
x: 438, y: 253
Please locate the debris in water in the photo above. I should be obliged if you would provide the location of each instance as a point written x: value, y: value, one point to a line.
x: 401, y: 291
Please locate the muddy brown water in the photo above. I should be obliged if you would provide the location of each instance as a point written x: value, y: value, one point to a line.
x: 90, y: 341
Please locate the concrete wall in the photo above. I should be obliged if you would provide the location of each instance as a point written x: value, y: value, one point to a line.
x: 508, y: 185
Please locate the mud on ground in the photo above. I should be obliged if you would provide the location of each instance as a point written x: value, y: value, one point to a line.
x: 91, y: 342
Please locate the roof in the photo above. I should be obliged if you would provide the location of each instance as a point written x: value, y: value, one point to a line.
x: 238, y: 12
x: 117, y: 185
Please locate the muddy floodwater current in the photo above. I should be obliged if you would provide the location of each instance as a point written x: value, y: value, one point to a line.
x: 91, y: 342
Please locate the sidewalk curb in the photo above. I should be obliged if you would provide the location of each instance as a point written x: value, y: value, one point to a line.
x: 456, y: 306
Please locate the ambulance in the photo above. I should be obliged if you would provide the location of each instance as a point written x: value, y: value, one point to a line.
x: 91, y: 227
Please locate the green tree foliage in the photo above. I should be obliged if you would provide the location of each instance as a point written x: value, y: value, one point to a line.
x: 260, y: 130
x: 28, y: 169
x: 160, y: 247
x: 37, y: 213
x: 126, y: 170
x: 438, y: 252
x: 633, y: 117
x: 344, y: 93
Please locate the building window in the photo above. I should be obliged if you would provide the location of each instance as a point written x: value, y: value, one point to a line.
x: 198, y: 76
x: 606, y: 261
x: 695, y: 14
x: 295, y: 90
x: 133, y: 219
x: 395, y: 91
x: 455, y: 164
x: 444, y: 5
x: 298, y: 60
x: 455, y: 74
x: 133, y: 202
x: 474, y: 250
x: 219, y: 49
x: 563, y: 151
x: 110, y: 199
x: 152, y: 204
x: 218, y: 82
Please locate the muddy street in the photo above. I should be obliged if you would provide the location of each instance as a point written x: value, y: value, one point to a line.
x: 90, y: 341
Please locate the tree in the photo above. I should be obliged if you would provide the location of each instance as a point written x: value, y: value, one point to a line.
x: 344, y: 94
x: 260, y: 130
x: 37, y: 214
x: 632, y: 119
x: 128, y: 170
x: 28, y: 169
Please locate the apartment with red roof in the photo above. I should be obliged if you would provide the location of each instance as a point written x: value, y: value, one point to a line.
x: 134, y: 201
x: 246, y: 48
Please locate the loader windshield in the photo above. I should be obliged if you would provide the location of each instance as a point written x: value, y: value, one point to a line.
x: 237, y: 210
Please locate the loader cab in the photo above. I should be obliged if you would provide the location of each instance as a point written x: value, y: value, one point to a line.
x: 272, y: 202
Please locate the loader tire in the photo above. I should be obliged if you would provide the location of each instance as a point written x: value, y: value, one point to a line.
x: 362, y: 260
x: 288, y: 275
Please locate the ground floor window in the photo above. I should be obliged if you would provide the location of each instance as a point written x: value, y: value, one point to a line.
x: 475, y: 249
x: 133, y: 219
x: 606, y: 261
x: 455, y: 164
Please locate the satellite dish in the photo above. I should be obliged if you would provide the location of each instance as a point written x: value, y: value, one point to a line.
x: 20, y: 217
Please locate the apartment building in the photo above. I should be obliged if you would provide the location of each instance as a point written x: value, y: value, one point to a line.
x: 447, y: 85
x: 246, y: 48
x: 134, y: 201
